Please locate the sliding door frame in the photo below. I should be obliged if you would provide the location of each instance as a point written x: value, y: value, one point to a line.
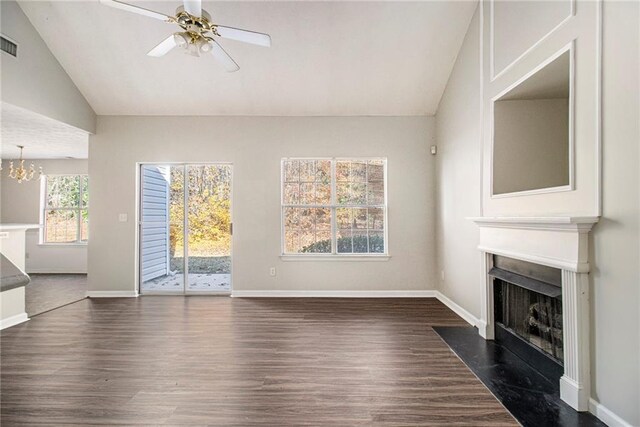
x: 139, y: 212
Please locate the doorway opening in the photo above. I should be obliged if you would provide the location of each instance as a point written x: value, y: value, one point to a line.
x: 185, y: 228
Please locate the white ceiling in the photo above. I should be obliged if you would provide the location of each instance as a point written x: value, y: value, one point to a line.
x: 327, y: 58
x: 42, y: 137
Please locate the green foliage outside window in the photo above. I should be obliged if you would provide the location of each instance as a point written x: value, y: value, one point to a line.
x: 66, y: 209
x: 209, y: 210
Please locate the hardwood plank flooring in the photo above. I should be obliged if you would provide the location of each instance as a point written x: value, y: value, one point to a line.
x: 49, y: 291
x: 240, y: 362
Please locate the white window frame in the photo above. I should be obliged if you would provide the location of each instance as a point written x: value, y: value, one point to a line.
x: 44, y: 209
x: 334, y: 255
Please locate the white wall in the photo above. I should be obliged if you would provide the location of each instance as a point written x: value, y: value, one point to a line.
x: 255, y: 146
x: 615, y: 246
x: 458, y: 127
x: 21, y: 203
x: 34, y: 79
x: 615, y: 249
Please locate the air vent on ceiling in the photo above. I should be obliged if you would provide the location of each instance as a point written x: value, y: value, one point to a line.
x: 8, y: 46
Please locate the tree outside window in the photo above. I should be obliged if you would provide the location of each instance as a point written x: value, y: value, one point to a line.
x: 334, y: 206
x: 65, y: 209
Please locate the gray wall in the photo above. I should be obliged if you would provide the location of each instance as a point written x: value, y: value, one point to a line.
x: 21, y: 203
x: 35, y: 80
x: 255, y: 146
x: 530, y: 145
x: 458, y: 178
x: 615, y: 246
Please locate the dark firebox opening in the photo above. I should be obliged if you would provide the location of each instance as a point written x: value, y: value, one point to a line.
x: 532, y: 316
x: 528, y: 313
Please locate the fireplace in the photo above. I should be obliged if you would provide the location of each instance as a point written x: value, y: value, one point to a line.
x: 560, y: 245
x: 528, y: 313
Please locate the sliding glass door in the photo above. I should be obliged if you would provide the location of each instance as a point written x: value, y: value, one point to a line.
x: 185, y: 228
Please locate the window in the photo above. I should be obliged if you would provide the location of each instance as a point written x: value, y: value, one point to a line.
x: 334, y: 206
x: 65, y: 209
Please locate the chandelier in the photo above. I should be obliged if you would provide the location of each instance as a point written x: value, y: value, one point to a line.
x: 21, y: 173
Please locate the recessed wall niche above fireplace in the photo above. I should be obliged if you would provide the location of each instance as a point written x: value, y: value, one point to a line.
x: 532, y: 131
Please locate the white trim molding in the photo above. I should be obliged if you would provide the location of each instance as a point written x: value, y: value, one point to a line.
x: 333, y: 294
x: 567, y: 223
x: 485, y: 323
x: 606, y: 415
x: 112, y: 294
x: 13, y: 320
x: 430, y: 293
x: 331, y: 258
x: 583, y: 27
x: 466, y: 316
x: 570, y: 186
x: 504, y: 70
x: 559, y: 242
x: 55, y: 271
x: 575, y: 383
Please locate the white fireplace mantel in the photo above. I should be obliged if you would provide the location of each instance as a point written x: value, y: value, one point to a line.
x: 560, y: 242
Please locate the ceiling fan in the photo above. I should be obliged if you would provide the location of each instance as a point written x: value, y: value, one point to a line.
x: 198, y: 32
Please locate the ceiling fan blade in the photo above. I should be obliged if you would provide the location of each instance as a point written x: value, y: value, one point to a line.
x: 135, y: 9
x: 244, y: 36
x: 223, y: 57
x: 193, y: 7
x: 164, y: 47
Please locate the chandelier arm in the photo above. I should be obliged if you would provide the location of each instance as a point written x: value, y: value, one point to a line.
x: 21, y: 173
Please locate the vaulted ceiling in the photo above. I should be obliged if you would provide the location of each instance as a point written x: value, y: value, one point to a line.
x: 327, y: 58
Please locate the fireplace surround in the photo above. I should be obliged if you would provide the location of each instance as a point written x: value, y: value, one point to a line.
x: 561, y: 243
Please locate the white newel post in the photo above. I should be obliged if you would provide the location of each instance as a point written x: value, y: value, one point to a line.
x: 559, y: 242
x: 575, y: 383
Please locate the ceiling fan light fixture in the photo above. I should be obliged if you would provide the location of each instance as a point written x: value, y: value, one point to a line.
x: 181, y: 39
x: 204, y: 45
x: 193, y: 49
x: 199, y: 32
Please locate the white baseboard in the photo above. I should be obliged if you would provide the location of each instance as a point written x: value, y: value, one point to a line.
x: 53, y: 271
x: 13, y: 320
x: 468, y: 317
x: 606, y: 415
x: 112, y: 294
x: 574, y: 394
x: 333, y: 294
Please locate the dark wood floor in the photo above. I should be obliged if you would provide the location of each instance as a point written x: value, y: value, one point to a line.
x: 226, y: 362
x: 48, y: 291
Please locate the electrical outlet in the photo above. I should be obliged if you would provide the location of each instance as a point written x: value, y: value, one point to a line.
x: 272, y: 271
x: 122, y: 217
